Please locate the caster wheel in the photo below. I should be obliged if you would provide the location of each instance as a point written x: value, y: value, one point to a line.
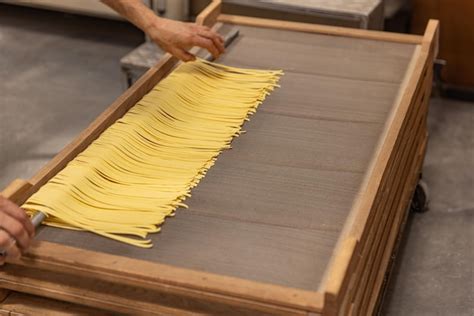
x: 419, y: 203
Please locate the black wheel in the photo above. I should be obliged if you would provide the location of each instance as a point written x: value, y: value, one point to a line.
x: 419, y: 202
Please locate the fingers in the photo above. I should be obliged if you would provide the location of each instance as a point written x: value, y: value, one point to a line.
x: 15, y: 230
x: 215, y: 34
x: 8, y: 245
x: 17, y: 213
x: 216, y: 39
x: 177, y: 37
x: 182, y: 54
x: 207, y: 44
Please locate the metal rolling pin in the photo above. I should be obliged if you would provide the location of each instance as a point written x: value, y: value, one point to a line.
x: 38, y: 218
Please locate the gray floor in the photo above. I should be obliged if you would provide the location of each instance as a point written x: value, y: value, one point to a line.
x: 434, y: 271
x: 60, y: 71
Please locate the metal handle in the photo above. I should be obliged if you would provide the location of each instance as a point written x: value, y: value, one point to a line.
x: 38, y: 218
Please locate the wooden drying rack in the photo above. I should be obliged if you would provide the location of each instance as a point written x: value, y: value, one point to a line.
x: 348, y: 273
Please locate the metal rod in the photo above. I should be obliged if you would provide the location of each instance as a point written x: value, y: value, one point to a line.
x: 38, y: 218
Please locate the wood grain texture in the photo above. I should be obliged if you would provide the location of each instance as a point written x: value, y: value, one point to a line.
x: 178, y: 282
x: 387, y: 210
x: 264, y: 253
x: 360, y: 223
x: 16, y: 190
x: 327, y: 41
x: 322, y: 55
x: 114, y: 297
x: 402, y: 195
x: 389, y: 223
x: 395, y: 235
x: 401, y: 156
x: 329, y: 98
x: 25, y: 304
x: 208, y: 16
x: 319, y: 29
x: 301, y: 16
x: 414, y: 134
x: 411, y: 140
x: 336, y: 279
x: 3, y: 294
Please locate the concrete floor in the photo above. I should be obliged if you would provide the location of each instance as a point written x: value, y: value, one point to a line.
x: 434, y: 269
x: 60, y: 71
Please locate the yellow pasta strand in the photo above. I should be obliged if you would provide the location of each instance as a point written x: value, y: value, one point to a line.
x: 143, y: 167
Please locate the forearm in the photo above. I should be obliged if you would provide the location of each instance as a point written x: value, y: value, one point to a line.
x: 136, y: 12
x: 173, y: 36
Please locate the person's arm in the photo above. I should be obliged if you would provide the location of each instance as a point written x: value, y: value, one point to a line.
x: 16, y: 230
x: 172, y: 36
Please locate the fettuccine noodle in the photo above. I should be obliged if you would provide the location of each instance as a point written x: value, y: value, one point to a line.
x: 143, y: 167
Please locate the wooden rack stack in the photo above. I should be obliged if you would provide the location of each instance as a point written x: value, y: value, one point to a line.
x: 351, y: 111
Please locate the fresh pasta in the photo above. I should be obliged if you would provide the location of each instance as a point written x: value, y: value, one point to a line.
x: 143, y: 167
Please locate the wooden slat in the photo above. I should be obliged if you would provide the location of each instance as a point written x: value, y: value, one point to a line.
x: 382, y: 204
x: 342, y: 261
x: 208, y: 16
x: 421, y: 105
x: 16, y: 190
x: 373, y: 290
x: 323, y: 42
x: 431, y: 49
x: 336, y: 277
x: 320, y: 29
x: 278, y: 254
x: 313, y: 96
x: 387, y: 190
x: 365, y: 267
x: 3, y: 294
x: 416, y: 138
x: 336, y: 288
x: 382, y: 213
x: 117, y: 297
x: 164, y: 278
x: 375, y: 297
x: 387, y: 209
x: 29, y: 305
x: 324, y: 56
x: 392, y: 228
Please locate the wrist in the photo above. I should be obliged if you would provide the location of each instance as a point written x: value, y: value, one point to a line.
x: 153, y: 25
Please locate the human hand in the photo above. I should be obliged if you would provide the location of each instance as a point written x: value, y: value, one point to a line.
x: 178, y: 37
x: 16, y: 230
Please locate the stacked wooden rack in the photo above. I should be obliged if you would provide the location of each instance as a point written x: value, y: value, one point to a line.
x: 300, y: 217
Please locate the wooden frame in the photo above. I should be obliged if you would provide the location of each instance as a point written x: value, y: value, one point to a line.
x: 355, y: 273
